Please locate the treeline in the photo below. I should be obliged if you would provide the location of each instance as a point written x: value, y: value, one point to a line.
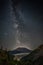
x: 8, y: 59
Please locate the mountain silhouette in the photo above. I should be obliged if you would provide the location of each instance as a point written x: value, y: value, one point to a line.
x: 20, y: 50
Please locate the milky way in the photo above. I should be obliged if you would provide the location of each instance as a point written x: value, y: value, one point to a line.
x: 21, y: 23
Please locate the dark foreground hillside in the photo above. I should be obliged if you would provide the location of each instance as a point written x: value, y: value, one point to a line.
x: 34, y: 58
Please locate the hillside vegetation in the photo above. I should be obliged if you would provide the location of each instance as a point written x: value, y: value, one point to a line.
x: 34, y: 58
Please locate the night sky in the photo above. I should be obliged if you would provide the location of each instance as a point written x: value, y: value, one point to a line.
x: 21, y: 23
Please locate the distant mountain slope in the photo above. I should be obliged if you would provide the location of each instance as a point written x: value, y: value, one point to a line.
x: 20, y: 50
x: 35, y: 57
